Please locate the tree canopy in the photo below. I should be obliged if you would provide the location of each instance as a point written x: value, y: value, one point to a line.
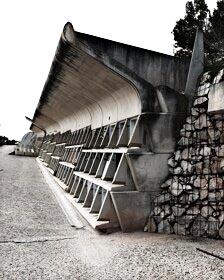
x: 198, y: 15
x: 214, y: 37
x: 5, y: 141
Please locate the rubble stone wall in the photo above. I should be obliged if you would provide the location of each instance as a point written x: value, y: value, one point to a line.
x: 192, y: 198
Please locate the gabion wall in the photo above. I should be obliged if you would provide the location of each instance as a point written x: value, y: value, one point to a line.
x: 192, y: 199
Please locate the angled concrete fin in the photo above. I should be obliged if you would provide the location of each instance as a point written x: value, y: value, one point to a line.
x: 196, y: 66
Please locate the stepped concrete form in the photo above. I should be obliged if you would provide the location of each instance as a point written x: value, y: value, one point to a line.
x: 111, y: 113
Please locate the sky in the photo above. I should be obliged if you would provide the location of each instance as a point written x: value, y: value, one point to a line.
x: 30, y: 31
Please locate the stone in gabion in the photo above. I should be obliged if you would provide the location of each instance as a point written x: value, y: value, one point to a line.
x: 192, y: 202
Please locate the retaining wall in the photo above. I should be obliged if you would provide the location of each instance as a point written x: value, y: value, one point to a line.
x: 192, y: 198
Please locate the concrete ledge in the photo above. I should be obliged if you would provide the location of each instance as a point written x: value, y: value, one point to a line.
x: 71, y: 214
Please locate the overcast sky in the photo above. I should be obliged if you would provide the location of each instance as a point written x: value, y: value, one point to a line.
x: 30, y: 31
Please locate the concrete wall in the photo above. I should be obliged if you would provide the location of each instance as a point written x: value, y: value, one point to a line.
x: 153, y: 67
x: 216, y: 94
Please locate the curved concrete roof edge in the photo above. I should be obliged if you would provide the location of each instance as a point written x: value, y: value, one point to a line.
x: 68, y: 37
x: 89, y: 82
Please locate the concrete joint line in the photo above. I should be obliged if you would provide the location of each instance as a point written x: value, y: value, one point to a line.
x: 35, y: 240
x: 64, y: 203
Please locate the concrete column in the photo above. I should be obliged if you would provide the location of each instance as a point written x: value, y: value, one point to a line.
x: 196, y: 66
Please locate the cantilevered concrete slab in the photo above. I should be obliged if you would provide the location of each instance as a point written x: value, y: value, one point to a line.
x: 91, y: 79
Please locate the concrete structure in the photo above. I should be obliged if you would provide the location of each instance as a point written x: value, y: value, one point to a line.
x: 196, y: 66
x: 112, y: 115
x: 216, y: 95
x: 26, y: 147
x: 120, y: 75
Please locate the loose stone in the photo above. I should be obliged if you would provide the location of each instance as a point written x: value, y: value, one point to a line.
x: 201, y: 101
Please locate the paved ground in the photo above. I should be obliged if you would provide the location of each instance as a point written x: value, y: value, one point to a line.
x: 36, y: 241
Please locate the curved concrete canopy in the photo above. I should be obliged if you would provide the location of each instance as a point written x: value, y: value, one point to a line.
x: 82, y: 91
x: 153, y: 67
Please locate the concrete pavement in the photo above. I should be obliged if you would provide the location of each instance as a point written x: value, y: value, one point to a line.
x: 37, y: 242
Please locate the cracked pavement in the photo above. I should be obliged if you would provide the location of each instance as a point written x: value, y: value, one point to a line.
x: 37, y: 242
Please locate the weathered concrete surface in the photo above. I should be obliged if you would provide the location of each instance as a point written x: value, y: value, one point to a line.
x: 132, y: 204
x: 81, y: 91
x: 196, y: 66
x: 89, y: 85
x: 156, y: 68
x: 50, y: 249
x: 162, y: 130
x: 144, y: 169
x: 216, y: 97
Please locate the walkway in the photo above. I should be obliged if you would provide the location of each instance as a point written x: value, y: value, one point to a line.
x: 37, y: 242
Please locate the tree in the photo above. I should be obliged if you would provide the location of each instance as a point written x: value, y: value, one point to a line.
x: 3, y: 140
x: 197, y: 13
x: 214, y: 36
